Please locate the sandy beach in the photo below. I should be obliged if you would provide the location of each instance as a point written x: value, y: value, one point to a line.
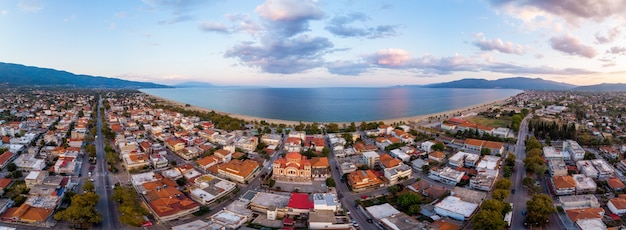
x: 413, y: 119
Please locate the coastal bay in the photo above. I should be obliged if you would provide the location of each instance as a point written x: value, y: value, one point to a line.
x: 337, y: 105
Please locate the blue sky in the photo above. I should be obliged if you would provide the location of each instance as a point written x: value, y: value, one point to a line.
x: 301, y: 43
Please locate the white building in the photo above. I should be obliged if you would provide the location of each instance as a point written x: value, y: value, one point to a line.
x: 455, y: 208
x: 557, y: 167
x: 550, y: 153
x: 617, y: 205
x: 605, y: 170
x: 370, y: 158
x: 396, y: 173
x: 574, y: 149
x: 587, y: 168
x: 584, y: 184
x: 427, y: 146
x: 397, y: 153
x: 326, y: 201
x: 446, y: 175
x: 228, y: 219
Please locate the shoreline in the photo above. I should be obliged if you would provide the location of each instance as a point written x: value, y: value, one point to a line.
x: 413, y: 119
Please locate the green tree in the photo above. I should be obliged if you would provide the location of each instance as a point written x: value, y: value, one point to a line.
x: 510, y: 160
x: 488, y: 219
x: 528, y: 181
x: 500, y: 194
x: 405, y: 201
x: 330, y: 182
x: 536, y: 152
x: 438, y: 146
x: 394, y: 189
x: 11, y: 167
x: 516, y: 121
x: 130, y: 208
x: 81, y: 212
x: 88, y: 186
x: 485, y: 151
x: 539, y: 207
x: 504, y: 183
x: 532, y: 143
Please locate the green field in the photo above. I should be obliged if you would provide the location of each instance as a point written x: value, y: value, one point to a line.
x: 498, y: 122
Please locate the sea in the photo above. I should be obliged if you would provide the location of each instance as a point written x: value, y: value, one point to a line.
x: 332, y: 104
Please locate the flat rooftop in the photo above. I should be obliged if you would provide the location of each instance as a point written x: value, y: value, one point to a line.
x: 382, y: 211
x: 269, y: 199
x: 456, y: 205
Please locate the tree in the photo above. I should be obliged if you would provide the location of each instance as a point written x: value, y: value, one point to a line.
x: 516, y: 121
x: 539, y: 207
x: 330, y: 182
x: 500, y: 194
x: 132, y: 212
x: 438, y: 146
x: 532, y: 143
x: 81, y: 211
x: 11, y: 167
x: 528, y: 181
x: 488, y: 219
x: 510, y: 160
x: 394, y: 189
x: 406, y: 200
x: 536, y: 152
x: 485, y: 151
x: 88, y: 186
x: 504, y: 183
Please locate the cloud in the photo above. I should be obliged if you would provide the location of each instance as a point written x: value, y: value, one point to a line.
x: 214, y: 27
x: 348, y: 68
x: 180, y: 9
x: 341, y: 26
x: 391, y: 58
x: 4, y: 12
x: 244, y: 23
x: 31, y: 6
x: 289, y: 17
x: 516, y: 69
x: 286, y: 56
x: 176, y: 19
x: 498, y: 45
x: 619, y: 50
x: 571, y: 11
x: 611, y: 35
x: 571, y: 45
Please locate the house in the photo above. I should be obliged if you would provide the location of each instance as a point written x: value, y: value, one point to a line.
x: 579, y: 201
x: 320, y: 168
x: 437, y: 156
x: 584, y: 213
x: 326, y: 201
x: 363, y: 179
x: 574, y: 149
x: 165, y: 201
x: 293, y: 144
x: 370, y: 158
x: 27, y: 214
x: 584, y: 184
x: 239, y: 171
x: 455, y: 208
x: 6, y: 158
x: 271, y: 139
x: 223, y: 155
x: 473, y: 144
x: 398, y: 173
x: 617, y: 205
x: 550, y: 153
x: 446, y: 175
x: 206, y: 162
x: 136, y: 161
x: 325, y: 219
x: 564, y: 185
x: 175, y: 145
x: 427, y: 146
x: 494, y: 147
x: 557, y: 167
x: 397, y: 153
x: 229, y: 219
x: 587, y: 168
x: 615, y: 184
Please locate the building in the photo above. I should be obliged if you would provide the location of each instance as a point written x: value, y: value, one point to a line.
x: 320, y: 168
x: 595, y: 224
x: 326, y: 219
x: 370, y: 158
x: 206, y: 162
x: 158, y: 162
x: 615, y: 184
x: 293, y: 144
x: 6, y: 158
x: 584, y: 184
x: 398, y: 173
x: 437, y: 156
x: 136, y: 161
x: 223, y: 155
x: 262, y: 202
x: 564, y: 185
x: 363, y: 180
x: 247, y: 144
x: 557, y: 167
x: 239, y: 171
x: 164, y: 200
x: 293, y: 168
x: 455, y: 208
x: 207, y: 189
x: 326, y: 201
x: 397, y: 153
x: 574, y: 149
x: 446, y: 175
x: 461, y: 159
x: 550, y: 153
x: 482, y: 182
x: 617, y: 205
x: 175, y: 145
x: 579, y: 201
x: 587, y: 168
x: 271, y: 139
x: 604, y: 169
x: 584, y: 213
x: 228, y: 219
x: 427, y: 146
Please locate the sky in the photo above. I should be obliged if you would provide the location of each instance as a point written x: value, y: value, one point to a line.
x: 319, y: 43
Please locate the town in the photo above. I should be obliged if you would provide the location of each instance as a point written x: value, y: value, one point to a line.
x: 122, y: 159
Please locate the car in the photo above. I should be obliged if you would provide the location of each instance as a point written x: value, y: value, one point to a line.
x: 92, y: 180
x: 523, y: 212
x: 369, y: 220
x: 512, y: 191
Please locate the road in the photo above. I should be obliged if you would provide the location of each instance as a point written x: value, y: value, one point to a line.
x: 520, y: 197
x: 103, y: 188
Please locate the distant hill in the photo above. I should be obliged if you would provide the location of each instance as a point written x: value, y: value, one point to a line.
x: 194, y: 84
x: 20, y: 75
x: 602, y: 87
x: 505, y: 83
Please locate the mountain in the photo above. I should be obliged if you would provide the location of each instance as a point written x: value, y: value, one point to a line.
x: 505, y: 83
x: 602, y: 87
x: 194, y: 84
x: 20, y: 75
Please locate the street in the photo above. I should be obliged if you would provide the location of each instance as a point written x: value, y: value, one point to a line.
x: 103, y: 189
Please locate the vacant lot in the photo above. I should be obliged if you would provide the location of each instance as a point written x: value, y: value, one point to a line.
x: 497, y: 122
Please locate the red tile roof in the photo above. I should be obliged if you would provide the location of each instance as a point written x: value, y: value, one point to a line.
x: 300, y: 201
